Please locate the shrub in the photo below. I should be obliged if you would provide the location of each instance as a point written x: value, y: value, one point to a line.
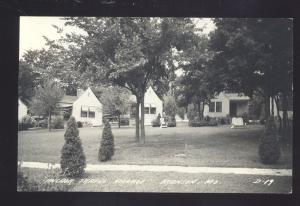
x: 155, y: 123
x: 224, y: 120
x: 269, y: 148
x: 26, y: 122
x: 107, y: 149
x: 23, y: 183
x: 57, y: 123
x: 171, y: 121
x: 67, y: 115
x: 26, y: 184
x: 72, y: 156
x: 43, y: 123
x: 79, y: 124
x: 124, y: 121
x: 201, y: 123
x: 245, y: 117
x: 181, y: 112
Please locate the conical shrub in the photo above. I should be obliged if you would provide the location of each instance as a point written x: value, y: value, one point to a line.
x: 269, y: 148
x: 73, y: 160
x: 107, y: 149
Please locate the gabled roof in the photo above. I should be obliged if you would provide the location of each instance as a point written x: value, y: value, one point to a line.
x: 68, y: 99
x: 236, y: 96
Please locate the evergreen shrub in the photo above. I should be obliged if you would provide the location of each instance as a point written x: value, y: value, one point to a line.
x: 269, y: 148
x: 73, y: 160
x: 106, y: 150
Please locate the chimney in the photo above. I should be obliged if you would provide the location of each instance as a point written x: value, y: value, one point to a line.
x: 79, y: 92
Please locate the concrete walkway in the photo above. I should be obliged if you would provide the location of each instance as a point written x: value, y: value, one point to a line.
x: 162, y: 168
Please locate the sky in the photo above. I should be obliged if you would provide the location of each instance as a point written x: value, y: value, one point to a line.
x: 32, y: 30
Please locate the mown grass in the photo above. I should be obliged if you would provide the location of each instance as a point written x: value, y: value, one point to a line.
x: 186, y: 146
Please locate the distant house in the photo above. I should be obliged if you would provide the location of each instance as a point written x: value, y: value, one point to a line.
x: 87, y: 108
x: 153, y: 106
x: 22, y: 110
x: 227, y: 104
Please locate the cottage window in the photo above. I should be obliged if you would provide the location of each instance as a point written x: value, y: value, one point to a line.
x: 83, y: 114
x: 153, y: 110
x: 92, y: 111
x: 84, y: 111
x: 146, y: 110
x: 212, y: 107
x: 218, y: 106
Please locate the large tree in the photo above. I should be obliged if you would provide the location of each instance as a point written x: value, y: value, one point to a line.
x: 26, y: 82
x: 193, y: 86
x: 131, y: 52
x: 46, y: 100
x: 116, y: 100
x: 254, y: 55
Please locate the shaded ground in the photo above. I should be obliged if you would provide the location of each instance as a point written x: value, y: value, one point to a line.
x: 185, y: 146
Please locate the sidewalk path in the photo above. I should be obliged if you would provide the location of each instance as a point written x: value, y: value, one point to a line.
x: 162, y: 168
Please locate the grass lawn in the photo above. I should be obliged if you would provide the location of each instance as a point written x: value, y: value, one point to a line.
x: 120, y: 181
x: 202, y: 146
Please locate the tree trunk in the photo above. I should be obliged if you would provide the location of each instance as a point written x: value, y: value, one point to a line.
x: 49, y: 121
x: 284, y: 116
x: 119, y: 121
x: 278, y: 114
x: 203, y: 105
x: 272, y: 106
x: 142, y: 140
x: 199, y: 109
x: 267, y: 107
x: 137, y: 121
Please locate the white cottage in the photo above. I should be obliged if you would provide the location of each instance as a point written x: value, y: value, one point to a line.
x: 153, y: 106
x: 87, y: 108
x: 227, y: 104
x: 22, y: 110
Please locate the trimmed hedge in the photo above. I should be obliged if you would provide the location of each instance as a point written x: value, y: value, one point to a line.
x: 202, y: 123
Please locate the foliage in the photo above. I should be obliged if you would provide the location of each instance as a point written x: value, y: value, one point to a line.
x: 124, y: 121
x: 43, y: 123
x: 79, y: 124
x: 245, y: 117
x: 269, y: 148
x: 26, y: 82
x: 57, y: 123
x: 224, y: 120
x: 27, y: 183
x: 170, y: 107
x: 73, y: 160
x: 181, y: 112
x: 191, y: 112
x: 46, y: 100
x: 156, y: 122
x: 171, y: 121
x: 248, y: 56
x: 194, y: 86
x: 116, y: 100
x: 202, y: 122
x: 107, y: 149
x: 131, y: 52
x: 67, y: 114
x: 26, y: 122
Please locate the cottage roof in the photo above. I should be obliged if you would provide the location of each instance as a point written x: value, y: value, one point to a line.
x: 69, y: 99
x: 236, y: 96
